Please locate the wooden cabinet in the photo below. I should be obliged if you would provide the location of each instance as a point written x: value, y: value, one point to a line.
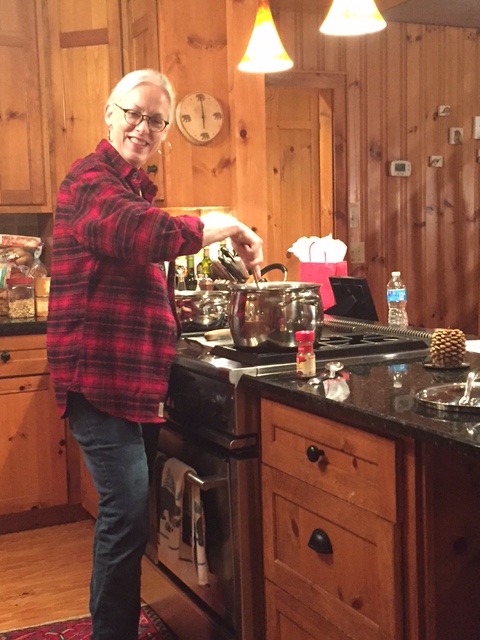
x: 24, y: 161
x: 33, y: 469
x: 331, y: 529
x: 86, y: 62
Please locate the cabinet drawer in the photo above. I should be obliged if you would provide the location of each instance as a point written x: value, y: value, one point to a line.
x: 23, y: 362
x: 288, y: 619
x: 356, y: 466
x: 24, y: 384
x: 354, y: 584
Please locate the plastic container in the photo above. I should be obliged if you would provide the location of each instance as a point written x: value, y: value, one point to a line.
x: 397, y: 301
x: 21, y: 297
x: 306, y: 365
x: 42, y: 292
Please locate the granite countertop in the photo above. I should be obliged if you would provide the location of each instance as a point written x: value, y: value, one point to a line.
x: 17, y: 327
x: 380, y: 397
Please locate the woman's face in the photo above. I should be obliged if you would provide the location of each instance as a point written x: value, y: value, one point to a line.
x: 136, y: 143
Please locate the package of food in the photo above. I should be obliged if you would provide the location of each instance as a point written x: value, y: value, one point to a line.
x: 12, y: 240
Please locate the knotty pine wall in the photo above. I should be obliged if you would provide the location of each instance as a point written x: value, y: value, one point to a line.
x: 426, y: 225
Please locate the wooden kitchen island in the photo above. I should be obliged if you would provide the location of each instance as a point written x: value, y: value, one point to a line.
x: 371, y: 507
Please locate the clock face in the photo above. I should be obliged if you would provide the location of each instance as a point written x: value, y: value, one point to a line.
x: 199, y: 117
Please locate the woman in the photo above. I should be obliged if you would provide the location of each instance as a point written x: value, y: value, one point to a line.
x: 112, y: 330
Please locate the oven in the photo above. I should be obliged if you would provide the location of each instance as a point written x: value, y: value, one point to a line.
x: 214, y: 428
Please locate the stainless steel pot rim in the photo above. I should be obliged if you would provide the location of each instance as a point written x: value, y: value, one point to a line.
x: 199, y: 294
x: 276, y: 286
x: 445, y: 397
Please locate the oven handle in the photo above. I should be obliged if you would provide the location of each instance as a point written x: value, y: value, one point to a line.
x: 207, y: 483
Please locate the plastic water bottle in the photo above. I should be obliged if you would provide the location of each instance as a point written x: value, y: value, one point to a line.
x: 397, y: 302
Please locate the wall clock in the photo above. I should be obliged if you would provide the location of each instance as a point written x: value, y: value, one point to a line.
x: 199, y: 117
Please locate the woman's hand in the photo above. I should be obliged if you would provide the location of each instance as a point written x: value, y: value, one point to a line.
x: 248, y: 245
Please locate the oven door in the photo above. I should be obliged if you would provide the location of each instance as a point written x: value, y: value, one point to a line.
x: 231, y: 504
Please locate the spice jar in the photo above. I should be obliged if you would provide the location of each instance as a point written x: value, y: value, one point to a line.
x: 42, y: 291
x: 21, y: 297
x: 306, y: 366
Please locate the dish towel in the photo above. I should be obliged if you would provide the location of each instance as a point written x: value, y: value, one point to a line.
x: 182, y: 521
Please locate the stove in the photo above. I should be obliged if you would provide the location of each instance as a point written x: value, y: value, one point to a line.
x: 364, y: 343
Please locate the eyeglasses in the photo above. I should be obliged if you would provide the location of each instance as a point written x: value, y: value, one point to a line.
x: 155, y: 123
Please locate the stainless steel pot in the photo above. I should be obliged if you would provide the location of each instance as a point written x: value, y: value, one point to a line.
x: 270, y: 315
x: 202, y: 310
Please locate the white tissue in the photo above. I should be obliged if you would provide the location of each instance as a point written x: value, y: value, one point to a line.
x: 315, y: 249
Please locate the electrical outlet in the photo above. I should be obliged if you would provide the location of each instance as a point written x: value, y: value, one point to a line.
x: 354, y: 216
x: 356, y: 252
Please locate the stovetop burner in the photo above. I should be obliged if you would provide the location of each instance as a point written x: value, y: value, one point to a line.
x: 335, y: 346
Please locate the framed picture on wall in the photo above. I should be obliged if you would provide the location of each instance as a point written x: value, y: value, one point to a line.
x: 455, y: 135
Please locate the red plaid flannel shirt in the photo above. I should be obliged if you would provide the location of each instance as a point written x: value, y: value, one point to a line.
x: 112, y: 330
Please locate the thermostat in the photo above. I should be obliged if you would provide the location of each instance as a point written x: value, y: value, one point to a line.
x: 401, y: 168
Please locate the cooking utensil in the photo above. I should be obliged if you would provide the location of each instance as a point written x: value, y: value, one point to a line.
x: 218, y: 334
x: 255, y: 278
x: 270, y: 314
x: 465, y: 399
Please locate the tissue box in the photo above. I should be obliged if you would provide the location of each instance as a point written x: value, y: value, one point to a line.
x: 320, y: 272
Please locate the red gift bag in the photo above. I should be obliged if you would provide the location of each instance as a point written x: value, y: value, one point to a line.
x: 320, y: 272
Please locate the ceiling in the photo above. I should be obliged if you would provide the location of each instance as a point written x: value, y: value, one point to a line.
x: 452, y: 13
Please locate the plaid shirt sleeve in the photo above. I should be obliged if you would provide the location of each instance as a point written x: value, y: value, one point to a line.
x: 111, y: 331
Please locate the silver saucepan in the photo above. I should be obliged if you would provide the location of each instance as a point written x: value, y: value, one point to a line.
x: 202, y: 310
x: 269, y: 315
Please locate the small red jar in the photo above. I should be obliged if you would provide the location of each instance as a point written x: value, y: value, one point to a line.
x: 306, y: 366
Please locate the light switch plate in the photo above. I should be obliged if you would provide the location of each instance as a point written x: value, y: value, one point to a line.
x: 354, y: 216
x: 476, y: 127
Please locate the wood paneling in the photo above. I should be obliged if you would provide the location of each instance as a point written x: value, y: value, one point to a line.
x: 426, y: 225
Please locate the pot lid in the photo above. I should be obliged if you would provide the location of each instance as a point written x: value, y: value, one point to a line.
x: 446, y: 397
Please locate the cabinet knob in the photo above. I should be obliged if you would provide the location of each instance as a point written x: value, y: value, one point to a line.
x: 320, y: 542
x: 314, y: 453
x: 5, y: 356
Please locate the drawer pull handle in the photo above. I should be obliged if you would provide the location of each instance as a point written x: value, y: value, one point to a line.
x: 320, y: 542
x: 314, y: 453
x: 5, y: 356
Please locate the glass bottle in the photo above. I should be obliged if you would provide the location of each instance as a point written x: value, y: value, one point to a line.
x: 191, y: 278
x: 21, y: 297
x: 206, y: 263
x: 305, y: 359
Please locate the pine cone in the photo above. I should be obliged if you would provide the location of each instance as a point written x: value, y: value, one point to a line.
x: 447, y: 348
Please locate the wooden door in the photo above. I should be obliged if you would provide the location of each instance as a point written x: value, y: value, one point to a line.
x: 305, y: 115
x: 24, y: 161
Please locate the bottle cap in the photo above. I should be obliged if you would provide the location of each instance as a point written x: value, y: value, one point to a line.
x: 305, y: 336
x: 395, y: 273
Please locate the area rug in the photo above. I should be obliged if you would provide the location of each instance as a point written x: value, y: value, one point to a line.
x: 150, y: 628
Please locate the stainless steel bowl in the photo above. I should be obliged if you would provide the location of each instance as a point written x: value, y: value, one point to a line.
x: 202, y: 310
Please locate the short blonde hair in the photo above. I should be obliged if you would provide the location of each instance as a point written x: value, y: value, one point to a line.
x: 148, y: 76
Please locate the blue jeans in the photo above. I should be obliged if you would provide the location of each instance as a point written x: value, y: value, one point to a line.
x: 114, y: 451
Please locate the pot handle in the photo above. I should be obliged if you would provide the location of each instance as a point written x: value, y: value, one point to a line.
x: 271, y: 267
x: 296, y: 298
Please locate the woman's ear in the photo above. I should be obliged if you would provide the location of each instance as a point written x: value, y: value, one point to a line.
x: 108, y: 113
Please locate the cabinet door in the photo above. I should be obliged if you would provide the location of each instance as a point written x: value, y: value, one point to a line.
x: 86, y: 64
x: 24, y: 161
x: 339, y: 560
x: 141, y: 51
x: 33, y: 471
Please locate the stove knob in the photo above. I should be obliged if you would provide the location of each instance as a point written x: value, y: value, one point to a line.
x: 314, y: 453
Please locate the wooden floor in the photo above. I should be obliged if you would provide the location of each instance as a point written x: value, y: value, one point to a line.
x: 45, y: 574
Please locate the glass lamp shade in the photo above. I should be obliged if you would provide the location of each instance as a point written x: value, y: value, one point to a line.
x: 352, y: 18
x: 265, y: 52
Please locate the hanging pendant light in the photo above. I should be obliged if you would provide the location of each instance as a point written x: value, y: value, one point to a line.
x: 265, y: 52
x: 352, y: 18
